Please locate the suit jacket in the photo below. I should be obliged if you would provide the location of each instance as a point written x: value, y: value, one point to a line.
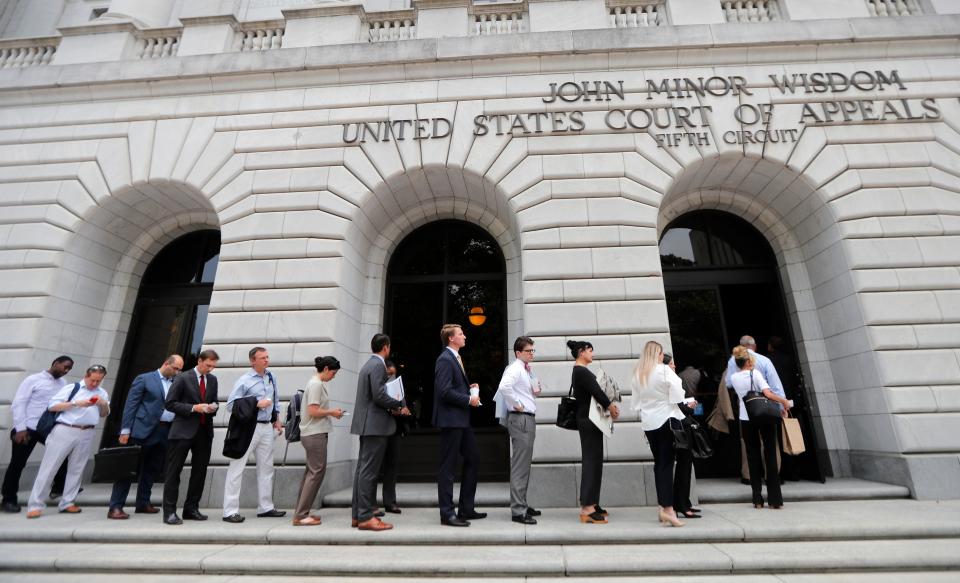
x: 145, y: 404
x: 243, y: 424
x: 451, y: 404
x: 184, y: 394
x: 371, y: 415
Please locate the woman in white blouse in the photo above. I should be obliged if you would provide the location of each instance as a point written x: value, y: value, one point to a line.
x: 656, y: 392
x: 756, y: 433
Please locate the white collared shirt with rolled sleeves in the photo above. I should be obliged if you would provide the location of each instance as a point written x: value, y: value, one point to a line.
x: 32, y: 399
x: 516, y: 387
x: 80, y: 415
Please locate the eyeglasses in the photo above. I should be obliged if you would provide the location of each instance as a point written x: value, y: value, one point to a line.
x: 529, y: 351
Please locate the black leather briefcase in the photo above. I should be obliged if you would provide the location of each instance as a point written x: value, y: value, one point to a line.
x: 116, y: 463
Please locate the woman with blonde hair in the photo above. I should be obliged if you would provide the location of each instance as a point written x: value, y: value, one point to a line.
x: 656, y: 392
x: 756, y: 433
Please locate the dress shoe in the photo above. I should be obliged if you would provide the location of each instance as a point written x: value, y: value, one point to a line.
x: 454, y: 521
x: 72, y: 509
x: 193, y: 515
x: 374, y: 524
x: 117, y: 514
x: 354, y: 522
x: 393, y: 509
x: 234, y: 519
x: 13, y: 507
x: 531, y: 511
x: 379, y: 514
x: 172, y: 520
x: 272, y: 513
x: 148, y: 509
x: 308, y: 521
x: 523, y: 519
x: 474, y: 515
x: 34, y: 513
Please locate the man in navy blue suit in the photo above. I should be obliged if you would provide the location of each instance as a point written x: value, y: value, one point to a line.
x: 453, y: 397
x: 146, y: 423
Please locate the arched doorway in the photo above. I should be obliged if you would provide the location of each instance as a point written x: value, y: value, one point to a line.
x: 721, y: 281
x: 170, y: 313
x: 438, y: 274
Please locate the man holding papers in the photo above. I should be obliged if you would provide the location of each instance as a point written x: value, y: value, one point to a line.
x: 518, y: 390
x: 373, y: 422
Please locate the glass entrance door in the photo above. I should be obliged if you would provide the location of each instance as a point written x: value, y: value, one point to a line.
x: 443, y: 273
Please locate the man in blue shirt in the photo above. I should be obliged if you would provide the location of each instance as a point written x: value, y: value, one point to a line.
x: 259, y: 383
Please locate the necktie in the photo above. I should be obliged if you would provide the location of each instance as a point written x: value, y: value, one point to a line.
x: 460, y: 362
x: 203, y: 396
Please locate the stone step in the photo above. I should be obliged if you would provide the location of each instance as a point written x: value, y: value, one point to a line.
x: 574, y: 560
x: 721, y: 523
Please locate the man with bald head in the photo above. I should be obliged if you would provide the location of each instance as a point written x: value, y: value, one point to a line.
x: 146, y: 423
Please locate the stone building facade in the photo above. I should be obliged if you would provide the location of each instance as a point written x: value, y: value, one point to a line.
x: 316, y: 136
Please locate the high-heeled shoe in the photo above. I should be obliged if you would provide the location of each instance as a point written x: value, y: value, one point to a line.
x: 669, y: 519
x: 689, y: 514
x: 593, y: 518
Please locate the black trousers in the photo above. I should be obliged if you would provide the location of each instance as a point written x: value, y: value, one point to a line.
x: 177, y: 450
x: 661, y: 444
x: 591, y: 464
x: 19, y: 454
x: 369, y: 462
x: 753, y: 435
x: 388, y: 473
x: 454, y: 442
x: 153, y: 452
x: 682, y: 476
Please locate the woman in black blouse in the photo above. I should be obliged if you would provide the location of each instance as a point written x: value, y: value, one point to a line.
x: 591, y: 439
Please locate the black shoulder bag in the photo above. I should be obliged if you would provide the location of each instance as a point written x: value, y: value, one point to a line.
x: 567, y: 411
x: 48, y: 420
x: 759, y: 408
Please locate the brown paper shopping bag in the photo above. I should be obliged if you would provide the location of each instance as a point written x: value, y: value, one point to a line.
x: 791, y: 437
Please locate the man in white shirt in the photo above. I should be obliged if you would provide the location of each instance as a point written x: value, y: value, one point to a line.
x: 518, y: 390
x: 28, y: 405
x: 71, y: 438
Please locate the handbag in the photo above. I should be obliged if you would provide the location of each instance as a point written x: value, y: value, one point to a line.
x: 791, y: 437
x: 567, y: 411
x: 759, y: 408
x: 681, y: 437
x: 700, y: 446
x: 48, y: 420
x: 113, y: 464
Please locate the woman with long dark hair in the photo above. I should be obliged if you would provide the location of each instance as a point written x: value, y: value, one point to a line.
x: 585, y: 386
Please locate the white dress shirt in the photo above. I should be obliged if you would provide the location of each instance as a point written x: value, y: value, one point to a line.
x: 657, y: 401
x: 32, y: 399
x: 516, y: 387
x: 79, y: 415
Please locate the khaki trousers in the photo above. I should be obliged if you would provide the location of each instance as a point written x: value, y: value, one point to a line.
x: 315, y: 447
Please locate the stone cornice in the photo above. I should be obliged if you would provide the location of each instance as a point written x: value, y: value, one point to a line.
x: 667, y: 46
x: 229, y: 19
x: 344, y: 9
x: 437, y: 4
x: 99, y: 28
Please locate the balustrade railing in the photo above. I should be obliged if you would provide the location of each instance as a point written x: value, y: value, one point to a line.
x: 501, y: 18
x: 158, y: 44
x: 31, y: 53
x: 260, y: 36
x: 393, y: 25
x: 893, y: 8
x: 636, y: 14
x: 751, y: 10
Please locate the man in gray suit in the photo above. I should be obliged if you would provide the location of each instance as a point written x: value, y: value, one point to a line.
x: 373, y: 422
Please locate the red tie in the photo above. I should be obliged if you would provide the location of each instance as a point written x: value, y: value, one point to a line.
x: 203, y: 397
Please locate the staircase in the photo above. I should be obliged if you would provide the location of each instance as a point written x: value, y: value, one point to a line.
x: 884, y: 538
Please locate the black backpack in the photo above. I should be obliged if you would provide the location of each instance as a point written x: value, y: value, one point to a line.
x: 291, y: 424
x: 48, y: 420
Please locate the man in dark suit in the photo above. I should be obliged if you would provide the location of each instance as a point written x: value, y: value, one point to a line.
x: 193, y: 399
x: 146, y: 423
x: 373, y: 422
x: 453, y: 397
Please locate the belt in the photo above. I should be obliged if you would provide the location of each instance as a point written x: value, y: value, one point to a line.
x: 524, y: 413
x: 162, y: 423
x: 76, y: 426
x: 267, y: 421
